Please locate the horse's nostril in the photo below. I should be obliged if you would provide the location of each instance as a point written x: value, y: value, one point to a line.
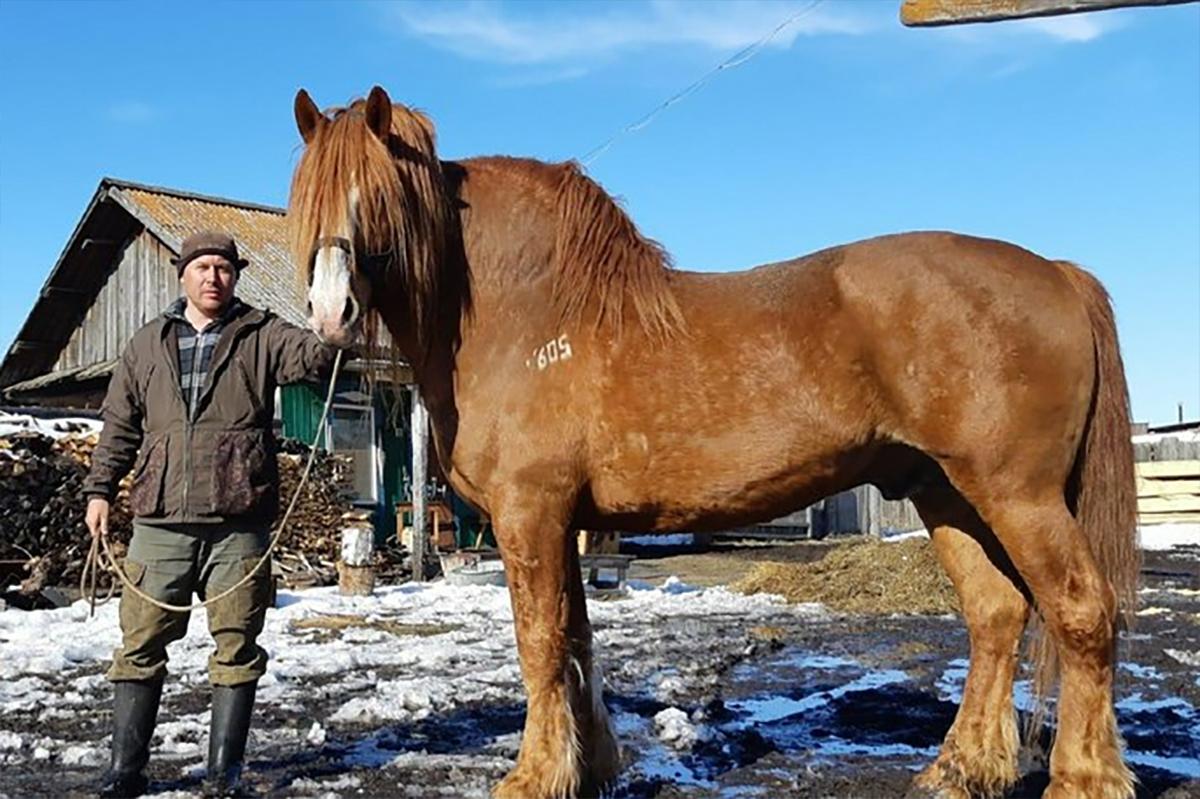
x: 350, y: 311
x: 308, y: 309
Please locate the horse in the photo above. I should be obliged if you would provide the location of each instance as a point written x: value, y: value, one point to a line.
x: 576, y: 380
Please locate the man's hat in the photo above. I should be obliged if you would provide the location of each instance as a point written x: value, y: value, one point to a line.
x: 209, y: 242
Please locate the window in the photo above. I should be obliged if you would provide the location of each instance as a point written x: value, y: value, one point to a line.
x: 352, y: 432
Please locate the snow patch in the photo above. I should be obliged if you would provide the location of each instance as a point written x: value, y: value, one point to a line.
x: 905, y: 536
x: 12, y: 423
x: 1186, y: 658
x: 676, y: 729
x: 665, y: 540
x: 1158, y: 537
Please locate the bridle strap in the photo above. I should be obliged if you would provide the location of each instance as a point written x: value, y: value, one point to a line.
x: 372, y: 262
x: 337, y: 242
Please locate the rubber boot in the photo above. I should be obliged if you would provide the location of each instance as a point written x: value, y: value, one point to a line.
x: 231, y: 708
x: 135, y: 709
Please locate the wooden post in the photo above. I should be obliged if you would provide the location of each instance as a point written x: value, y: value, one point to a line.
x: 870, y: 510
x: 420, y: 515
x: 956, y: 12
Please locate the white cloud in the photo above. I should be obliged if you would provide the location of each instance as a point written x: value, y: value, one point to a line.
x: 495, y: 32
x: 538, y: 77
x: 1072, y: 27
x: 131, y: 112
x: 1068, y: 29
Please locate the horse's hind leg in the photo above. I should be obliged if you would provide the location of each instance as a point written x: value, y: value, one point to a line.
x: 1049, y: 549
x: 979, y: 754
x: 568, y: 748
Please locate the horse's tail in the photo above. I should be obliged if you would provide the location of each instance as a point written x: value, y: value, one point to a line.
x: 1102, y: 491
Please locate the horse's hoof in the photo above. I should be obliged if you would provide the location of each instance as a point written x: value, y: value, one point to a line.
x: 512, y: 788
x: 519, y: 785
x: 932, y: 783
x: 1115, y: 788
x: 916, y: 791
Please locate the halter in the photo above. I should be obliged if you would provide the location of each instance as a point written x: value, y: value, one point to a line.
x: 371, y: 262
x: 336, y: 242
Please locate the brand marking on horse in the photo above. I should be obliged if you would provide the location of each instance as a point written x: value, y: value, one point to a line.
x: 553, y: 351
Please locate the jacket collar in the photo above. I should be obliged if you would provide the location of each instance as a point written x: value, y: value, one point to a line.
x: 176, y: 311
x: 238, y: 317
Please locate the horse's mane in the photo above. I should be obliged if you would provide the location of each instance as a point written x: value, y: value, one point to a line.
x: 599, y: 261
x: 600, y: 255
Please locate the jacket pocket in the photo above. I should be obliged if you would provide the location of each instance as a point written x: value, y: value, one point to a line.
x: 145, y: 495
x: 242, y: 472
x: 253, y: 393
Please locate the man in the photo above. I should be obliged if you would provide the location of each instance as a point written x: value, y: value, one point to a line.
x: 193, y: 398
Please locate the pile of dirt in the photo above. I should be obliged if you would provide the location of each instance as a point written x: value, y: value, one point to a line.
x: 863, y: 577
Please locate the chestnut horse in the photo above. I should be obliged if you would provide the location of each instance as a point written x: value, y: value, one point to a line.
x: 574, y: 380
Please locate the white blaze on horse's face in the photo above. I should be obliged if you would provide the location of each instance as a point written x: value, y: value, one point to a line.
x: 333, y: 307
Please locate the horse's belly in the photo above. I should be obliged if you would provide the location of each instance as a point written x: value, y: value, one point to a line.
x: 708, y: 497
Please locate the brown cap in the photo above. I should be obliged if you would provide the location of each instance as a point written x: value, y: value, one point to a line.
x: 208, y: 242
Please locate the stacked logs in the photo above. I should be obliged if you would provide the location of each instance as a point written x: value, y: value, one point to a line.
x: 44, y: 540
x: 42, y: 533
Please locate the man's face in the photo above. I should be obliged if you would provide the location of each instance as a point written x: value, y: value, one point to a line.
x: 208, y: 283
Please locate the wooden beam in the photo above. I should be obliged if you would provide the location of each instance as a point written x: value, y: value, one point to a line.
x: 92, y: 244
x: 67, y: 291
x: 923, y: 13
x: 1165, y: 470
x: 420, y: 461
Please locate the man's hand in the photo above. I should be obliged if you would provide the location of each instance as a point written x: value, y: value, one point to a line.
x: 97, y: 516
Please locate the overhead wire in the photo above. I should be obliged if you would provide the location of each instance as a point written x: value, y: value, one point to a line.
x: 737, y: 59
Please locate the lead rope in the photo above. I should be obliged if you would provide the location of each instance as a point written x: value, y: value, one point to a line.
x: 100, y: 555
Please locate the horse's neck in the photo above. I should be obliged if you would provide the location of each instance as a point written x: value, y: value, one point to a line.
x: 507, y: 237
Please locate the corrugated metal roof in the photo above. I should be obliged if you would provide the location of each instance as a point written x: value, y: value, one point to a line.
x: 261, y: 233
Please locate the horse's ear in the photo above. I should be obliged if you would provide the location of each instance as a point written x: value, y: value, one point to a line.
x: 309, y: 118
x: 379, y: 113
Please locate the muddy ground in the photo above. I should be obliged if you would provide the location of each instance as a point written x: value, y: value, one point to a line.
x: 790, y: 703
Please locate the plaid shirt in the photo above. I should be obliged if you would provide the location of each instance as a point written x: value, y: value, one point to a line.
x: 196, y: 349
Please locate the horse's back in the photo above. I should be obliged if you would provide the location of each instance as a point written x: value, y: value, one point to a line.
x: 792, y: 374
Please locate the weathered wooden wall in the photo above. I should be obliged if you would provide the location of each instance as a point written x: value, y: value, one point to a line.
x: 1166, y: 448
x: 863, y: 510
x: 143, y: 284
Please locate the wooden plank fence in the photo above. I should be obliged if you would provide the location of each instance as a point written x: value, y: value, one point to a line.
x: 1169, y: 489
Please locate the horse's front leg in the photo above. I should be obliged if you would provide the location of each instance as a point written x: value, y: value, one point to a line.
x: 568, y: 748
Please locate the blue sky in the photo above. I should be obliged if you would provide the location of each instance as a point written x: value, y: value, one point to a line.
x: 1077, y: 137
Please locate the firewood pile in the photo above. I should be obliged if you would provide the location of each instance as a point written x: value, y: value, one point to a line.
x: 44, y: 540
x: 42, y: 533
